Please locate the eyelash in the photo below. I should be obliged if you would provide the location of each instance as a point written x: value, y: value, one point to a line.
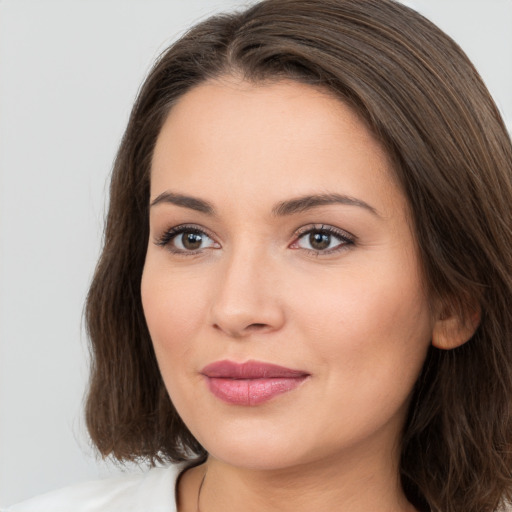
x: 346, y: 239
x: 172, y: 233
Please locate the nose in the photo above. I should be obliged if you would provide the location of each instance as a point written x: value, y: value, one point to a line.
x: 246, y: 300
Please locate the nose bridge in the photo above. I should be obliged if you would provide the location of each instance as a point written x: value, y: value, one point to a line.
x: 246, y: 298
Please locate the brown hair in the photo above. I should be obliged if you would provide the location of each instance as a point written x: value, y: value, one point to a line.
x: 424, y: 100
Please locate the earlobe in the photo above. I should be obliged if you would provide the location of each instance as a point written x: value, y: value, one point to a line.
x: 452, y: 331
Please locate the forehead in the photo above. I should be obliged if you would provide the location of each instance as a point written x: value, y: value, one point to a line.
x: 265, y: 139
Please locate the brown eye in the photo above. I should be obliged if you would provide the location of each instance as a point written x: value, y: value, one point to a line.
x: 323, y: 240
x: 191, y: 241
x: 186, y: 240
x: 319, y: 241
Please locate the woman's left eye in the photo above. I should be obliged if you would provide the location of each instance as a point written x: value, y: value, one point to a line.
x: 324, y: 239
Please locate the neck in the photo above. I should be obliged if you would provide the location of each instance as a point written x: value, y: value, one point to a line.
x: 326, y: 485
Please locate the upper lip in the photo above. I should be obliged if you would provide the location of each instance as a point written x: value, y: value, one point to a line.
x: 250, y: 370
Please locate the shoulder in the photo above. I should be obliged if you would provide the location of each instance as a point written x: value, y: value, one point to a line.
x: 151, y: 491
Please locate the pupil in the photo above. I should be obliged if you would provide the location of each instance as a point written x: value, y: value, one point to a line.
x: 191, y: 240
x: 319, y: 240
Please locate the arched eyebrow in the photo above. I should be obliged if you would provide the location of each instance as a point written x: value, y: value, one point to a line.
x: 193, y: 203
x: 304, y: 203
x: 281, y: 209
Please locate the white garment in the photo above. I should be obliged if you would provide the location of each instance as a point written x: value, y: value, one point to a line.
x: 152, y: 491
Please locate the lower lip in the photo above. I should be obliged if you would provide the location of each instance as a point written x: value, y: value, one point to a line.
x: 252, y: 391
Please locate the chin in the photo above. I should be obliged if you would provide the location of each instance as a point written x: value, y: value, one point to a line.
x: 256, y: 458
x: 257, y: 446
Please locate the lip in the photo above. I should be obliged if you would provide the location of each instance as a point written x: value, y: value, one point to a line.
x: 250, y: 383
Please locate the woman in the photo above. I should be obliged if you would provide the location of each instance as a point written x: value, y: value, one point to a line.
x: 303, y: 293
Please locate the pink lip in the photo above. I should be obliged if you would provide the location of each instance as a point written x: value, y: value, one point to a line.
x: 250, y: 383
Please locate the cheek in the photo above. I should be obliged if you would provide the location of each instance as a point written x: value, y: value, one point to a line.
x: 172, y: 310
x: 368, y: 334
x: 370, y: 327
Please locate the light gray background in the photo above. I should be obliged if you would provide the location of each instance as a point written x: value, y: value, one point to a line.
x: 69, y: 71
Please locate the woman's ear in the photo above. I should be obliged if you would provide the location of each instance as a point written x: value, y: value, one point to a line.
x: 452, y: 330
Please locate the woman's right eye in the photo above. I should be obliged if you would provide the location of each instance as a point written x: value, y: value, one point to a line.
x: 186, y: 240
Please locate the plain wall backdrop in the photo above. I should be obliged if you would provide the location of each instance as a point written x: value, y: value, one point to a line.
x: 69, y: 72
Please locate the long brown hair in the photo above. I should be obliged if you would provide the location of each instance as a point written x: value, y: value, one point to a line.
x: 424, y: 100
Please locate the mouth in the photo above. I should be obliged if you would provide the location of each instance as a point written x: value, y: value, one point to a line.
x: 250, y: 383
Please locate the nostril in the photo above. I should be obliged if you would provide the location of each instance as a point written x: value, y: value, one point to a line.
x: 256, y: 326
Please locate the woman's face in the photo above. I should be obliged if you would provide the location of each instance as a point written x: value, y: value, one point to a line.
x: 279, y: 236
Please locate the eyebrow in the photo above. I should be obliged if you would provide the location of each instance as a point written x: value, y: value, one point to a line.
x: 281, y: 209
x: 301, y: 204
x: 192, y: 203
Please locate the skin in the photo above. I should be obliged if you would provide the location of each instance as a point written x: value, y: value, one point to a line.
x: 356, y: 319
